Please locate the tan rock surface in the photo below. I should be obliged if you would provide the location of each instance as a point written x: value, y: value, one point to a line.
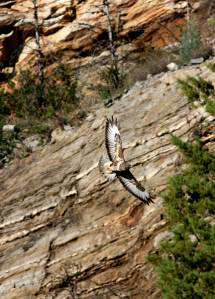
x: 66, y: 232
x: 78, y: 25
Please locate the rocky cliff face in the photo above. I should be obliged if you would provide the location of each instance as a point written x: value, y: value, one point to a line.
x: 66, y: 232
x: 77, y: 26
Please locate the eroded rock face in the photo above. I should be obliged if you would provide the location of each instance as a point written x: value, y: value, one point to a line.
x: 77, y: 25
x: 66, y: 232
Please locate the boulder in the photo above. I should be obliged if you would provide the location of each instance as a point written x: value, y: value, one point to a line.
x: 197, y: 60
x: 32, y: 142
x: 172, y: 67
x: 8, y: 128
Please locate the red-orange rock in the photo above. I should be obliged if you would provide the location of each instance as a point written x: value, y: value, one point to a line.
x: 78, y: 25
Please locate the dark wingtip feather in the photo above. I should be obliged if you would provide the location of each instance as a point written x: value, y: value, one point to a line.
x: 112, y: 121
x: 149, y: 201
x: 107, y: 121
x: 148, y: 198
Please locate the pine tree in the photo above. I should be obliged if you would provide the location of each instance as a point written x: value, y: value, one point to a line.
x: 190, y: 42
x: 185, y: 263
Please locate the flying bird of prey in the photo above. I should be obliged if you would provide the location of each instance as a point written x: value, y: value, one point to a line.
x: 115, y: 165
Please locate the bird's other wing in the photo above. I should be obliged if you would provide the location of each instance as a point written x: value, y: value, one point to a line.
x: 133, y: 186
x: 113, y: 140
x: 105, y: 169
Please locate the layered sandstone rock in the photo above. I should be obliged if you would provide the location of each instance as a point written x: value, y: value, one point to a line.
x: 66, y: 232
x: 77, y: 25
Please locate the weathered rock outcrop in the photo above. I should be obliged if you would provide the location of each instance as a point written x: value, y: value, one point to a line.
x: 75, y: 26
x: 66, y: 232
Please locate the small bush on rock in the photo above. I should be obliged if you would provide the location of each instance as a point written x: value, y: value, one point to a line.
x: 8, y: 142
x: 113, y: 81
x: 198, y: 89
x: 23, y: 100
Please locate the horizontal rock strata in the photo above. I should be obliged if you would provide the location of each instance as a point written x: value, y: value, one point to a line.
x: 67, y: 233
x: 77, y: 25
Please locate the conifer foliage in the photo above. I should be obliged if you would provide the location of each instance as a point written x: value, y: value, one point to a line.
x: 190, y: 42
x: 185, y: 264
x: 200, y: 90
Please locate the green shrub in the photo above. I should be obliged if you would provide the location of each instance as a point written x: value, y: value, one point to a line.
x: 62, y: 89
x: 211, y: 22
x: 60, y: 94
x: 198, y: 89
x: 190, y: 43
x: 113, y: 81
x: 40, y: 129
x: 104, y: 92
x: 4, y: 109
x: 8, y: 142
x: 112, y: 76
x: 189, y: 90
x: 185, y: 263
x: 210, y: 107
x: 211, y: 66
x: 23, y: 102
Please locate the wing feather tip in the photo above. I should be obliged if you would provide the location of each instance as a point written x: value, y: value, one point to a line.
x: 147, y: 199
x: 112, y: 121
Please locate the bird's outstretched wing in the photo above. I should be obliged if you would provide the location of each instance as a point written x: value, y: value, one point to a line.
x: 113, y: 140
x: 133, y: 186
